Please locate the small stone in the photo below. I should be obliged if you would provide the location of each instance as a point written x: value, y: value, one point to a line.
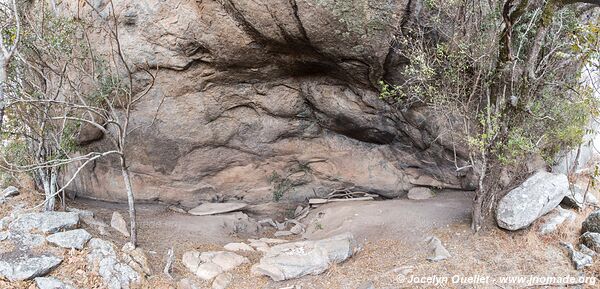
x: 420, y: 193
x: 51, y: 283
x: 585, y: 250
x: 216, y: 208
x: 177, y: 209
x: 297, y: 229
x: 136, y: 258
x: 4, y: 235
x: 208, y: 265
x: 70, y: 239
x: 554, y: 219
x: 439, y: 252
x: 10, y: 192
x: 238, y: 247
x: 579, y: 259
x: 118, y: 223
x: 282, y: 233
x: 591, y: 240
x: 222, y: 281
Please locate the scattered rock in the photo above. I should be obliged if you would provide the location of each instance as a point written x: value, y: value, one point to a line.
x: 238, y: 247
x: 297, y: 229
x: 574, y: 198
x: 70, y: 239
x: 177, y: 209
x: 294, y: 260
x: 592, y: 222
x: 27, y: 267
x: 260, y: 246
x: 538, y: 195
x: 579, y: 259
x: 136, y: 258
x: 591, y: 240
x: 283, y: 233
x: 585, y: 250
x: 555, y: 219
x: 46, y: 222
x: 103, y: 259
x: 118, y: 223
x: 4, y: 235
x: 222, y: 281
x: 83, y: 214
x: 51, y: 283
x: 10, y: 192
x: 439, y: 252
x: 216, y: 208
x: 25, y: 241
x: 420, y: 193
x: 208, y: 265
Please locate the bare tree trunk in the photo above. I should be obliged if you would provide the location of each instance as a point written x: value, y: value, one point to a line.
x: 3, y: 80
x: 130, y: 200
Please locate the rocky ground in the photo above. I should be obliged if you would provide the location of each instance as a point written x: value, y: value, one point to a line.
x: 388, y: 243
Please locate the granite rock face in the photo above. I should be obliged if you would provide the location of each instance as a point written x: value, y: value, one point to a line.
x: 252, y: 88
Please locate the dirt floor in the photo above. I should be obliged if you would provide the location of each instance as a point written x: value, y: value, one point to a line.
x: 391, y: 232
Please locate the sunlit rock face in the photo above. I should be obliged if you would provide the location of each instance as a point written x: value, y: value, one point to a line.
x: 264, y: 98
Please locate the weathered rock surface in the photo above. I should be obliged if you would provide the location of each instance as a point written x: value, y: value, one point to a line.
x: 592, y: 222
x: 578, y: 259
x: 118, y: 223
x: 136, y: 258
x: 216, y: 208
x: 222, y: 281
x: 554, y: 219
x: 420, y: 193
x: 537, y: 196
x: 46, y: 222
x: 9, y: 192
x: 208, y: 265
x: 104, y: 260
x: 309, y: 99
x: 27, y: 267
x: 293, y: 260
x: 591, y: 240
x: 238, y: 247
x: 438, y: 251
x: 52, y: 283
x: 70, y: 239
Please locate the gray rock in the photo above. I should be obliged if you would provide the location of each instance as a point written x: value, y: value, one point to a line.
x: 294, y: 260
x: 46, y: 222
x: 574, y: 198
x: 438, y: 251
x: 554, y: 219
x: 591, y: 240
x: 238, y: 247
x: 118, y: 223
x: 4, y: 222
x: 216, y: 208
x: 103, y: 259
x: 283, y: 233
x: 4, y: 235
x: 585, y: 250
x: 52, y: 283
x: 27, y: 267
x: 10, y: 192
x: 208, y: 265
x: 26, y: 241
x: 136, y: 258
x: 420, y: 193
x: 222, y: 281
x: 70, y: 239
x: 579, y: 259
x: 538, y: 195
x: 592, y: 222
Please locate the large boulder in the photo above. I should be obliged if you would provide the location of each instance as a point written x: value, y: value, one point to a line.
x: 294, y: 260
x: 538, y: 195
x: 46, y: 222
x: 248, y: 88
x: 592, y: 222
x: 27, y: 267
